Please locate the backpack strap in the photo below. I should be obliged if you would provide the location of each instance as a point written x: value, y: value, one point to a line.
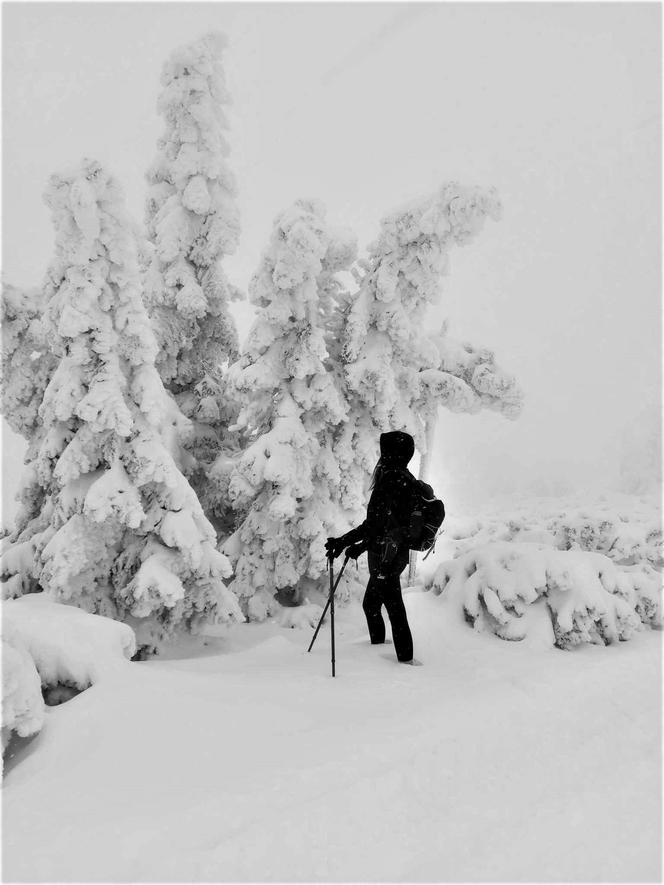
x: 398, y: 528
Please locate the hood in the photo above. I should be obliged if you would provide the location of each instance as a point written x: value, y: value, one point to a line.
x: 396, y: 447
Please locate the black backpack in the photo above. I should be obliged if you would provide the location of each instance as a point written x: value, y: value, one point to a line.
x: 426, y: 517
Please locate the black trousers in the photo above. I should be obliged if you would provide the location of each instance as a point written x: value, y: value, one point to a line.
x: 386, y: 591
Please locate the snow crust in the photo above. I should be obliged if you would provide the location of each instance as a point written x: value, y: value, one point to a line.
x: 494, y: 761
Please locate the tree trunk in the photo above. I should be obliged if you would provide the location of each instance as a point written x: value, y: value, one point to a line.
x: 425, y: 462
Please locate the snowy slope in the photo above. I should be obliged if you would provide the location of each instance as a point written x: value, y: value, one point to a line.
x: 494, y: 761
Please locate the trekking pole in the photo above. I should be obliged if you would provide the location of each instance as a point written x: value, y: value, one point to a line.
x: 330, y: 599
x: 332, y: 587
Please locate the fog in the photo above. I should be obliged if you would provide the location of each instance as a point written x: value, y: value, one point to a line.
x: 365, y: 105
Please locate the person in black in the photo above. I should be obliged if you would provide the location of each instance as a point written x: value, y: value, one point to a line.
x: 384, y: 535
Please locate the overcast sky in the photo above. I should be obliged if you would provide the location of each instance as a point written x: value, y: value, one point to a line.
x: 365, y: 105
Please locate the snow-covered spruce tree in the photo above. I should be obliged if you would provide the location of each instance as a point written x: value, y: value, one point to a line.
x: 120, y: 531
x: 396, y: 376
x: 27, y: 362
x: 193, y: 223
x: 285, y: 484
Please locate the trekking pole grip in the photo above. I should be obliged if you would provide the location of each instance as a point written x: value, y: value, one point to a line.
x: 329, y: 599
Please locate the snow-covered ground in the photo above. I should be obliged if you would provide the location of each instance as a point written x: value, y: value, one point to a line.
x: 245, y: 761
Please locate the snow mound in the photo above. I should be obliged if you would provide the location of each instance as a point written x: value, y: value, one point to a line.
x: 301, y: 617
x: 67, y: 645
x: 589, y: 598
x: 22, y: 703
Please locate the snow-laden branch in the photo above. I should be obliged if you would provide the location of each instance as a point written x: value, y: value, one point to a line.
x: 27, y: 363
x: 405, y: 267
x: 468, y: 379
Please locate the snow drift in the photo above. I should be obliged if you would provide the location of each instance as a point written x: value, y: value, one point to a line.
x: 46, y: 645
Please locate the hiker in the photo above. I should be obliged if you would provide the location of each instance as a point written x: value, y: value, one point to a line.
x: 384, y: 535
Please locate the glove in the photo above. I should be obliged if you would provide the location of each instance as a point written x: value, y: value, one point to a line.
x: 356, y: 550
x: 335, y: 547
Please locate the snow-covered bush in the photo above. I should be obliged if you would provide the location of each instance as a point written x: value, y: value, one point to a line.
x: 466, y: 533
x: 627, y: 533
x: 111, y: 522
x: 27, y: 363
x: 48, y: 648
x: 617, y: 535
x: 284, y: 485
x: 68, y: 646
x: 589, y: 598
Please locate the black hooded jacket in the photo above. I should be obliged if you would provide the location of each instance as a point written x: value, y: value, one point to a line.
x: 384, y: 533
